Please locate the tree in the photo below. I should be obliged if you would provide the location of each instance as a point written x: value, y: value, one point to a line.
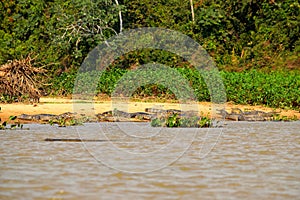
x: 59, y: 32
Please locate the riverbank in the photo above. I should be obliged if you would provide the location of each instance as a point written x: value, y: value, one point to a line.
x: 58, y: 106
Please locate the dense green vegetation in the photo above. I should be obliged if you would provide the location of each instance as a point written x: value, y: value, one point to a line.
x: 238, y: 34
x: 178, y: 121
x: 246, y: 39
x: 275, y: 89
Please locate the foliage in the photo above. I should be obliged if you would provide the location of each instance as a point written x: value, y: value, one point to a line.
x: 239, y: 35
x: 278, y: 89
x: 4, y: 98
x: 285, y: 118
x: 13, y: 124
x: 175, y: 120
x: 247, y: 34
x: 60, y: 32
x: 64, y: 84
x: 64, y: 122
x: 275, y: 89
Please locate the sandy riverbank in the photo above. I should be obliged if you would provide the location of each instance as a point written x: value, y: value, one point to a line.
x: 61, y: 105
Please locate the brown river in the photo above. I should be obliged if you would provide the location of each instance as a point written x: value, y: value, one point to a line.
x: 242, y: 160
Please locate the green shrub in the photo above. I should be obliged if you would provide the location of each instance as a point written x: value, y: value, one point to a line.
x: 278, y: 89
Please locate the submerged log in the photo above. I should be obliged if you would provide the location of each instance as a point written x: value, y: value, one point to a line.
x: 73, y: 140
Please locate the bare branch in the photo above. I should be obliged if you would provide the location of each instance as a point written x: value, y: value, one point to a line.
x: 85, y: 25
x: 120, y: 17
x: 192, y: 11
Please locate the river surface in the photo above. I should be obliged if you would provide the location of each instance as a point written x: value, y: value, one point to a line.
x: 242, y: 160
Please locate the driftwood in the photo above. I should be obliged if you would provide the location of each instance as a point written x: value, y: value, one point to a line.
x: 18, y: 79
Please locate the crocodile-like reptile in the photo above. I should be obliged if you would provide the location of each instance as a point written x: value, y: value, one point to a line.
x: 111, y: 116
x: 148, y: 115
x: 45, y: 117
x: 153, y: 113
x: 118, y: 115
x: 161, y: 112
x: 37, y: 117
x: 255, y: 115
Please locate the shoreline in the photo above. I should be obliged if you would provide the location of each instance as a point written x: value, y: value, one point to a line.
x: 58, y: 106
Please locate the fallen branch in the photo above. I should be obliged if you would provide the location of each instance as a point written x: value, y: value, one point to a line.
x: 18, y: 78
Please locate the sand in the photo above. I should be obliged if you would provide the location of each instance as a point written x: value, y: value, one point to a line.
x: 62, y: 105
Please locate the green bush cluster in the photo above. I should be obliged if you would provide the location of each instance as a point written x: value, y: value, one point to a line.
x: 178, y: 121
x: 278, y: 89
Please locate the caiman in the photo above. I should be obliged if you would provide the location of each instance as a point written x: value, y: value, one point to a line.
x: 236, y: 114
x: 45, y: 117
x: 255, y: 115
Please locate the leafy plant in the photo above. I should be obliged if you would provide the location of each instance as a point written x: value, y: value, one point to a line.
x: 11, y: 123
x: 157, y: 122
x: 278, y: 117
x: 175, y: 120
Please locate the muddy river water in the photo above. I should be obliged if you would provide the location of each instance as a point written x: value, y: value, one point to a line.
x: 242, y: 160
